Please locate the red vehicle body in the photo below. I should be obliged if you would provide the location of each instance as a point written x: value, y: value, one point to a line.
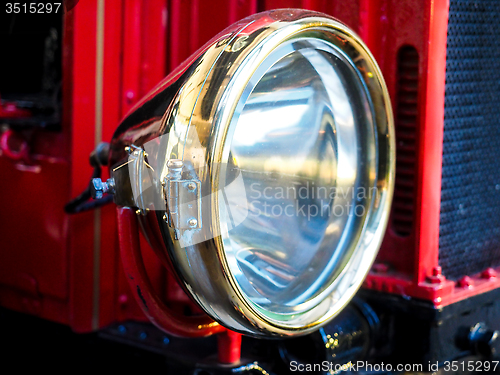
x: 67, y: 268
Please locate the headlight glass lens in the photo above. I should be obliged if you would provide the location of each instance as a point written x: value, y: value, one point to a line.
x: 303, y: 143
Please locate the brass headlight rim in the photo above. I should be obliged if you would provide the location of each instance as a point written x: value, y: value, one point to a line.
x: 224, y: 300
x: 257, y: 313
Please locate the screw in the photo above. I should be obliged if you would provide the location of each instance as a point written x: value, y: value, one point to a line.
x: 174, y: 164
x: 98, y: 188
x: 193, y: 222
x: 174, y: 169
x: 191, y: 186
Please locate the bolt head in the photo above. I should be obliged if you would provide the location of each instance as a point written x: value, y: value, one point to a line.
x: 191, y: 186
x: 193, y: 222
x: 489, y: 273
x: 437, y: 271
x: 465, y: 282
x: 175, y: 164
x: 436, y: 276
x: 97, y: 188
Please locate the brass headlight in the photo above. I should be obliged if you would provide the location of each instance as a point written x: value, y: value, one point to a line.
x: 268, y: 160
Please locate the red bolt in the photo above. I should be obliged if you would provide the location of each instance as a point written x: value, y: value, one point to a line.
x: 465, y: 282
x: 437, y: 271
x: 437, y: 276
x: 489, y: 273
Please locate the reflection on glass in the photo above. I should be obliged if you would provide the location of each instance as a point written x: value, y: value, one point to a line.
x: 298, y: 150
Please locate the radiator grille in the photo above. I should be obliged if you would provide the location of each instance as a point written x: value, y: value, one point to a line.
x: 469, y: 235
x: 406, y: 141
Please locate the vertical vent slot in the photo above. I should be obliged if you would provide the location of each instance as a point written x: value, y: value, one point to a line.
x: 406, y: 123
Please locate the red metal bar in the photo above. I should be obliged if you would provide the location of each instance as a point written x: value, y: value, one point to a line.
x: 163, y: 317
x: 397, y: 251
x: 81, y: 228
x: 432, y: 140
x: 111, y: 103
x: 229, y: 347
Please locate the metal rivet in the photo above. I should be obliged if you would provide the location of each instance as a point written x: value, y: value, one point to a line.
x: 191, y: 186
x: 123, y: 299
x: 192, y: 222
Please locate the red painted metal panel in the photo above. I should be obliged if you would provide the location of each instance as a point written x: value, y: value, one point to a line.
x: 132, y: 47
x: 81, y: 227
x: 407, y: 27
x: 349, y: 12
x: 412, y: 262
x: 33, y: 257
x: 154, y: 44
x: 133, y: 37
x: 144, y: 65
x: 111, y: 115
x: 193, y: 23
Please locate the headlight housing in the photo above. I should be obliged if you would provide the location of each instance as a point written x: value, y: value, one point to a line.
x: 268, y: 163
